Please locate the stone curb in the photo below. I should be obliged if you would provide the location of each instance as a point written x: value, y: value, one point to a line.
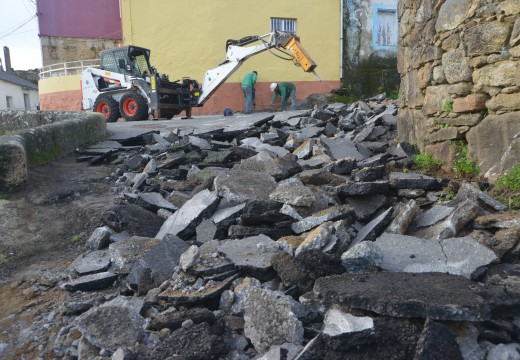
x: 39, y: 145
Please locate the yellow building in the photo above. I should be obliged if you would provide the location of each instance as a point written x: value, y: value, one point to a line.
x: 188, y: 38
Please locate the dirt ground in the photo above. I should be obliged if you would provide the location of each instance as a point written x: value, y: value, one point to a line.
x: 40, y: 231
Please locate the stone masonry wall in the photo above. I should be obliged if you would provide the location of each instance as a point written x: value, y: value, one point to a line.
x: 459, y: 62
x: 11, y: 120
x: 44, y: 137
x: 63, y: 49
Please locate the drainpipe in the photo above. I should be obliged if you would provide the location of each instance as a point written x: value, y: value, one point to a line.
x: 341, y: 42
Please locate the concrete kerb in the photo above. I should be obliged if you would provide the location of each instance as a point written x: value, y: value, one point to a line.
x: 39, y: 145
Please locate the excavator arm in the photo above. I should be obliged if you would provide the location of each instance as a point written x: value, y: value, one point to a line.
x: 238, y: 52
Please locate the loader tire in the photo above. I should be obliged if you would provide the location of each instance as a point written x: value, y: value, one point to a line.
x: 107, y: 106
x: 133, y: 107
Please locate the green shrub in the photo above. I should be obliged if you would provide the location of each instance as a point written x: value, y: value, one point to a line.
x: 3, y: 259
x: 426, y: 162
x: 465, y: 167
x: 76, y: 239
x: 507, y: 188
x: 393, y: 94
x: 447, y: 195
x: 509, y: 181
x: 447, y: 105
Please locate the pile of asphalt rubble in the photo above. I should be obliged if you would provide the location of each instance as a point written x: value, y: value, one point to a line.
x: 301, y: 237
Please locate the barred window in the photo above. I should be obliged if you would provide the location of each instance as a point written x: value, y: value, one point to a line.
x: 110, y: 61
x: 281, y: 24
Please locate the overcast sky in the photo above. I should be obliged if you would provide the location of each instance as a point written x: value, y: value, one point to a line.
x: 19, y: 32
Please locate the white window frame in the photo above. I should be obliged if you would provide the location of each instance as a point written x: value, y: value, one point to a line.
x: 283, y: 24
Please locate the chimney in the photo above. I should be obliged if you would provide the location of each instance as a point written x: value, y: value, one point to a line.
x: 7, y: 58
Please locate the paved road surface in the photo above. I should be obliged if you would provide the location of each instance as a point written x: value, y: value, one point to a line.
x: 124, y: 130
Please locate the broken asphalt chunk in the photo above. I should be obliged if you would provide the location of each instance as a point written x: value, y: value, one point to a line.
x: 97, y: 325
x: 210, y: 293
x: 363, y: 188
x: 240, y: 186
x: 271, y: 319
x: 92, y: 282
x: 458, y: 256
x: 426, y: 295
x: 374, y: 228
x: 330, y: 214
x: 254, y: 253
x: 184, y: 221
x: 157, y: 265
x: 400, y: 180
x: 91, y: 263
x: 341, y: 148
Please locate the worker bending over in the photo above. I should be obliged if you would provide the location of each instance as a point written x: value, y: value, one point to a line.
x: 285, y: 90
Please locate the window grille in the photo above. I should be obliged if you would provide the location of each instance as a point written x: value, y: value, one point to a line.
x: 141, y: 64
x: 110, y: 61
x: 281, y: 24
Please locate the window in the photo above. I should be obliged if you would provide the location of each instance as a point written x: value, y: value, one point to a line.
x: 385, y: 28
x: 9, y: 101
x: 288, y: 25
x: 110, y: 60
x: 27, y: 101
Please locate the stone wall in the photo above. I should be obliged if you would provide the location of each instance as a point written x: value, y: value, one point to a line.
x: 459, y: 62
x: 35, y: 145
x: 57, y: 50
x: 11, y: 120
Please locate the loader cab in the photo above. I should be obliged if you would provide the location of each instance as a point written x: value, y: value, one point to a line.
x: 127, y: 60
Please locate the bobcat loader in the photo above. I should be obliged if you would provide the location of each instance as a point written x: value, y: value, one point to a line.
x: 127, y: 85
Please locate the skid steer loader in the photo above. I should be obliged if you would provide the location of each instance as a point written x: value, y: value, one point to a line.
x: 126, y: 85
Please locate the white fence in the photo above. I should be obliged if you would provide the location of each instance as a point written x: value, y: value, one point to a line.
x: 67, y: 68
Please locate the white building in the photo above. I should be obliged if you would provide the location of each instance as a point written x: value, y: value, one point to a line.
x: 16, y: 93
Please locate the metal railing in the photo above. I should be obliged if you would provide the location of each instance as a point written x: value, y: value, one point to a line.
x: 67, y: 68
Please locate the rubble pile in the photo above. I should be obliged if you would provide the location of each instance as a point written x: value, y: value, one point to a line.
x: 305, y: 236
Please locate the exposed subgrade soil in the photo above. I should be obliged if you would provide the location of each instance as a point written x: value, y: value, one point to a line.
x: 41, y: 232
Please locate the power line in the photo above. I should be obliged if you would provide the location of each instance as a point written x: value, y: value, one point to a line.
x: 23, y: 32
x: 26, y: 8
x: 9, y: 32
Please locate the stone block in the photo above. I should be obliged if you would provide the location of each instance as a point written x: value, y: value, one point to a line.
x: 13, y: 163
x: 504, y: 102
x: 456, y: 66
x: 487, y: 37
x: 470, y: 103
x: 496, y: 153
x: 451, y: 14
x: 449, y: 133
x: 502, y: 73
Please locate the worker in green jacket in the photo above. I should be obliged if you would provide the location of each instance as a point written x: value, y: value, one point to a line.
x: 248, y: 88
x: 285, y: 90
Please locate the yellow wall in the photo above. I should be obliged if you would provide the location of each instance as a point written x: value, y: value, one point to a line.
x: 59, y: 83
x: 186, y: 38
